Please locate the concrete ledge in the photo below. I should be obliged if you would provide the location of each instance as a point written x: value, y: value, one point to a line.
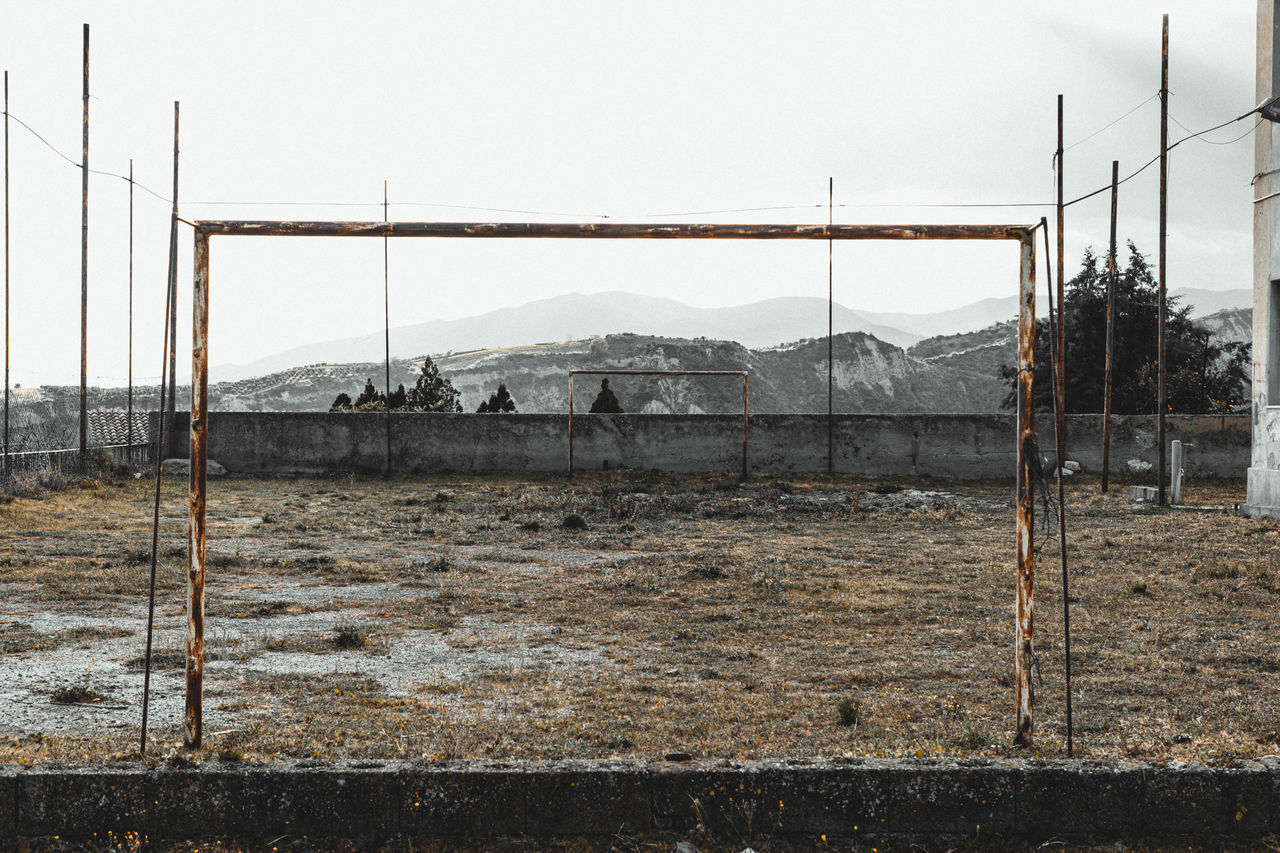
x: 1025, y: 801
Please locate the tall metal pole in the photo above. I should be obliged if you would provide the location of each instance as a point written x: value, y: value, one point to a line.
x: 831, y: 461
x: 1060, y: 362
x: 173, y: 294
x: 1054, y: 320
x: 386, y: 321
x: 6, y: 272
x: 1111, y: 330
x: 1162, y: 403
x: 1026, y: 452
x: 84, y: 262
x: 129, y: 409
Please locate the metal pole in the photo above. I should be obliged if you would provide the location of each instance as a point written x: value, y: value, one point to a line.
x: 84, y: 262
x: 571, y: 425
x: 173, y: 294
x: 129, y: 409
x: 1054, y: 322
x: 831, y: 183
x: 1111, y: 331
x: 1162, y: 402
x: 1024, y: 695
x: 6, y: 273
x: 155, y: 526
x: 744, y: 427
x: 386, y: 322
x: 1060, y: 368
x: 192, y: 716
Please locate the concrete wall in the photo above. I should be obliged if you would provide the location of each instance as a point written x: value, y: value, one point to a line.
x: 952, y: 446
x: 1001, y: 802
x: 1264, y: 472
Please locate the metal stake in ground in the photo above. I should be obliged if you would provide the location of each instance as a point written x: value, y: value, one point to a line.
x: 831, y: 195
x: 6, y: 273
x: 386, y: 323
x: 173, y: 293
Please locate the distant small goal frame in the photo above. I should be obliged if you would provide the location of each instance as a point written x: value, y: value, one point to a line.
x: 623, y: 372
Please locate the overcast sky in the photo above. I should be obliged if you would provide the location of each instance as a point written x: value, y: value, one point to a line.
x: 578, y: 110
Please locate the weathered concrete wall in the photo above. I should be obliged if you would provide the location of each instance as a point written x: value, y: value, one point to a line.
x: 954, y: 446
x: 856, y: 799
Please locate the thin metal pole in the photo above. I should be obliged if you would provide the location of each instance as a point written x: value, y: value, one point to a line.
x: 1111, y: 331
x: 173, y: 293
x: 386, y: 322
x: 745, y: 469
x: 571, y: 425
x: 129, y: 409
x: 155, y: 520
x: 1056, y: 319
x: 6, y: 272
x: 199, y: 454
x: 1023, y: 622
x: 831, y: 193
x: 1162, y: 402
x: 84, y: 262
x: 1060, y: 362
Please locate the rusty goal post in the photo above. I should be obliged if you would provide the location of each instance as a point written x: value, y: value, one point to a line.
x: 206, y: 230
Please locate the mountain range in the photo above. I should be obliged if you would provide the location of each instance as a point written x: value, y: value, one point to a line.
x: 576, y: 316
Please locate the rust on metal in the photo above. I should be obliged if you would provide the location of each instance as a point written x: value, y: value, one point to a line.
x: 205, y: 230
x: 1111, y: 331
x: 1027, y: 450
x: 192, y: 718
x: 1162, y: 403
x: 621, y: 372
x: 84, y: 261
x: 613, y: 230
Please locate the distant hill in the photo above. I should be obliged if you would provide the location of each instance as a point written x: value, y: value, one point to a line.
x: 578, y: 316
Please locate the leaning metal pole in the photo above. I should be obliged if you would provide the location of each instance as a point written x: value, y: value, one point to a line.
x: 84, y: 263
x: 1162, y: 404
x: 6, y: 273
x: 173, y: 296
x: 129, y: 406
x: 386, y: 325
x: 1111, y: 330
x: 1027, y: 450
x: 831, y: 443
x: 1060, y: 365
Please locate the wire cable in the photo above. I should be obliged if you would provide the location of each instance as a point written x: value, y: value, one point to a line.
x: 1115, y: 122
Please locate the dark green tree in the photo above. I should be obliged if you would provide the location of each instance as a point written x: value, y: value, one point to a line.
x: 369, y: 399
x: 1202, y: 377
x: 433, y: 392
x: 398, y: 399
x: 341, y: 403
x: 498, y: 403
x: 605, y: 402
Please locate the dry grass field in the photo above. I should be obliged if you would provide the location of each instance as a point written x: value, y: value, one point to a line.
x: 635, y: 615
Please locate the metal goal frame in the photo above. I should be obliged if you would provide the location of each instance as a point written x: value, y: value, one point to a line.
x: 205, y: 230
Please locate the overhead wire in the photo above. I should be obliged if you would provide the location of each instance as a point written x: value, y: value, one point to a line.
x: 707, y: 212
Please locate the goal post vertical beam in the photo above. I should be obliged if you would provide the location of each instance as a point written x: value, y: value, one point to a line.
x: 1026, y: 456
x: 199, y: 428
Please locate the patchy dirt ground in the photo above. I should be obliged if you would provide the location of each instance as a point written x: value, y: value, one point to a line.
x: 630, y: 614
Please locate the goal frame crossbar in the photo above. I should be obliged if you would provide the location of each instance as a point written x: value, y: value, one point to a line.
x: 205, y: 230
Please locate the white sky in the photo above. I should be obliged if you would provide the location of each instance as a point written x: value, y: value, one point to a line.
x: 585, y: 109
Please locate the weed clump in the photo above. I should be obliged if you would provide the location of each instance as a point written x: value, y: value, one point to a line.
x: 348, y: 637
x: 573, y: 521
x: 75, y: 694
x: 851, y: 710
